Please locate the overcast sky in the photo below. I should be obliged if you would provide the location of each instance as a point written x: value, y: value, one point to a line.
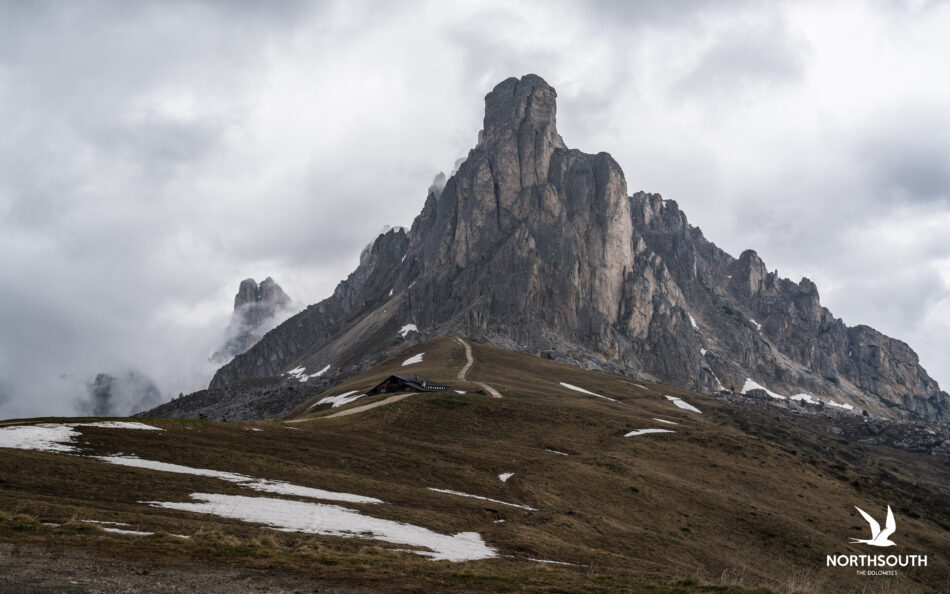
x: 153, y: 154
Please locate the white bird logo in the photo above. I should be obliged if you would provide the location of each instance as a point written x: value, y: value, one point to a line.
x: 878, y: 536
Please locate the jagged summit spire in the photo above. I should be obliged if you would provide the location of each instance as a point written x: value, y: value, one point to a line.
x: 520, y: 134
x: 524, y: 105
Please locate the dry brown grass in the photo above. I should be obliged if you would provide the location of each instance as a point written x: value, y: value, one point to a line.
x: 733, y: 500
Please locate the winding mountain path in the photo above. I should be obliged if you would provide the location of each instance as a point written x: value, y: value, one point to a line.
x: 470, y: 360
x: 494, y: 393
x: 365, y: 407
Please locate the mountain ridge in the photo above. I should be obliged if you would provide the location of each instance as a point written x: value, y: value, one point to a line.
x: 538, y: 248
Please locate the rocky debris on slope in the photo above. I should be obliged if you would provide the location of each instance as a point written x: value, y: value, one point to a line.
x: 931, y: 438
x: 257, y: 309
x: 245, y: 400
x: 538, y: 248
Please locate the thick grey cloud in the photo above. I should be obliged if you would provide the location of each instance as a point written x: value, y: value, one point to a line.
x: 906, y: 153
x: 156, y: 153
x: 752, y: 56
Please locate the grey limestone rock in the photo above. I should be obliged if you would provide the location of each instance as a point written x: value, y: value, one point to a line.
x: 539, y: 248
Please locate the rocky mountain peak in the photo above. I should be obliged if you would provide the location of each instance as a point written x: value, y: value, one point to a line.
x: 256, y: 310
x: 247, y: 293
x: 270, y: 292
x: 520, y: 134
x: 538, y: 248
x: 267, y: 293
x: 752, y: 274
x: 521, y: 106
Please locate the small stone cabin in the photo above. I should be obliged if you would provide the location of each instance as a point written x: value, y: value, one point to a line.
x: 407, y: 383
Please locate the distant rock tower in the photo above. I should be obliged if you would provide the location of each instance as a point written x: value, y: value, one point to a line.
x: 257, y: 309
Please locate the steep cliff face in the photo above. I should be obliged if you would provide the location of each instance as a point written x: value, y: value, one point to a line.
x: 539, y: 248
x: 526, y: 231
x: 755, y: 325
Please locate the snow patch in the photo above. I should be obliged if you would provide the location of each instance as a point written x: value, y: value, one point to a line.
x: 751, y: 385
x: 390, y: 292
x: 129, y: 532
x: 844, y: 406
x: 301, y: 373
x: 555, y: 452
x: 703, y: 352
x: 583, y: 391
x: 757, y: 325
x: 665, y: 421
x: 692, y: 320
x: 505, y: 476
x: 461, y: 494
x: 803, y: 397
x: 45, y: 437
x: 104, y: 523
x: 413, y: 360
x: 118, y: 425
x: 56, y: 437
x: 682, y: 404
x: 333, y: 520
x: 407, y: 329
x: 339, y: 399
x: 266, y: 485
x: 645, y: 431
x: 459, y: 391
x: 549, y: 561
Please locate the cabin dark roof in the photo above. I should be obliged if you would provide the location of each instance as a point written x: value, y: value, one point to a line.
x: 413, y: 382
x: 421, y: 383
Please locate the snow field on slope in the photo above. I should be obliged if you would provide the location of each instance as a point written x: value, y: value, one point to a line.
x: 56, y: 437
x: 645, y: 431
x: 282, y: 514
x: 583, y: 391
x: 469, y: 495
x: 339, y: 399
x: 265, y: 485
x: 332, y: 520
x: 413, y: 360
x: 683, y: 404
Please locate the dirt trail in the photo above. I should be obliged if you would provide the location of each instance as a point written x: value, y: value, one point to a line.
x: 494, y: 393
x: 469, y: 359
x: 365, y: 407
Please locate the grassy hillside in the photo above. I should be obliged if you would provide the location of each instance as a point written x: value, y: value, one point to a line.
x: 730, y: 499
